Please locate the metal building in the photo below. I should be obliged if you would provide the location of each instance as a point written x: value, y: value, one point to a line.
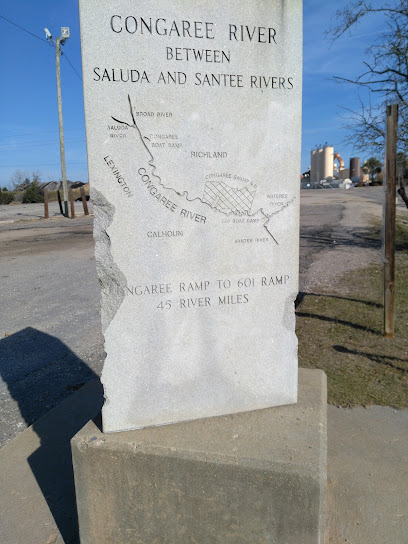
x: 355, y: 167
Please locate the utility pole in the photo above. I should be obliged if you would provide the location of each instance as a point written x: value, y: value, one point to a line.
x: 58, y: 43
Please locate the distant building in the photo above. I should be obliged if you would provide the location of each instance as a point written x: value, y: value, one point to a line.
x: 326, y: 164
x: 322, y: 164
x: 355, y: 170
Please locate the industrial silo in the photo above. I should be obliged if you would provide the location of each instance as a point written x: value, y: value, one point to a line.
x: 320, y: 162
x: 314, y: 167
x: 354, y: 168
x: 326, y: 171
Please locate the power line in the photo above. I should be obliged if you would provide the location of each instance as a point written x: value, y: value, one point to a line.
x: 29, y: 144
x: 50, y: 43
x: 42, y: 164
x: 72, y: 66
x: 53, y: 131
x: 24, y: 29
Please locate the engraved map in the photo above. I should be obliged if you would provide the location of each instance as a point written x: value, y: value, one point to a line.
x: 219, y: 195
x: 226, y: 199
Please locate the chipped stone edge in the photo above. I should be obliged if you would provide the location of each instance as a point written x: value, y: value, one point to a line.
x: 110, y: 277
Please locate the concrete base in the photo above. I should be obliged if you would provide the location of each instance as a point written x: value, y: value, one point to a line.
x: 255, y: 477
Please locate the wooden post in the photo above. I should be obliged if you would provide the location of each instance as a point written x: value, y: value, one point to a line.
x: 84, y: 202
x: 389, y: 220
x: 71, y: 199
x: 59, y: 202
x: 46, y: 214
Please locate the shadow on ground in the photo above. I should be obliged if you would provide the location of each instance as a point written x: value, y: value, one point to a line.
x: 337, y: 321
x: 302, y: 295
x: 359, y: 237
x: 40, y: 371
x: 386, y: 360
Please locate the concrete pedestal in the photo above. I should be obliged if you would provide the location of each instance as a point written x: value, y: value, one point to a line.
x: 253, y: 478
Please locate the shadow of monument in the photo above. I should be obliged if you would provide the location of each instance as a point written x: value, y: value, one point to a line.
x: 41, y: 371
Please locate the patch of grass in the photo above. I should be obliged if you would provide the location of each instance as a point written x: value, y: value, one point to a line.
x: 342, y: 333
x: 401, y: 233
x: 18, y: 197
x: 6, y: 197
x: 401, y: 230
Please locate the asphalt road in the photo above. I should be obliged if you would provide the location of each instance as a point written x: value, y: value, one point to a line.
x: 50, y: 339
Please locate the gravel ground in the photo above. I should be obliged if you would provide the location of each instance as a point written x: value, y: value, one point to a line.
x: 334, y: 226
x: 49, y: 322
x: 24, y: 212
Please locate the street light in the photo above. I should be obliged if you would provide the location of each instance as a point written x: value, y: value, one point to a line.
x: 58, y: 42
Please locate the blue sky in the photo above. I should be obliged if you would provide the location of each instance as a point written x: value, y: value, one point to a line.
x: 29, y: 116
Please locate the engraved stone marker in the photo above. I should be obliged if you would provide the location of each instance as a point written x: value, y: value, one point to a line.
x: 193, y: 114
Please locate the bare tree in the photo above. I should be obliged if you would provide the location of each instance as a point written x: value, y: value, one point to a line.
x: 402, y: 175
x: 365, y: 127
x: 385, y: 75
x: 36, y: 176
x: 18, y: 177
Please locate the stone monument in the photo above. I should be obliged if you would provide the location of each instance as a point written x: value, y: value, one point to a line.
x: 193, y: 119
x: 193, y: 114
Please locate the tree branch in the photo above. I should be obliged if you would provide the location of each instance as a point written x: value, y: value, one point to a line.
x: 403, y: 194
